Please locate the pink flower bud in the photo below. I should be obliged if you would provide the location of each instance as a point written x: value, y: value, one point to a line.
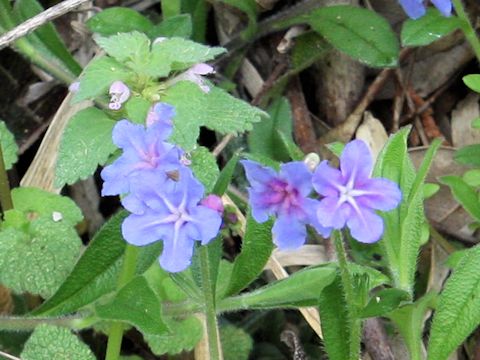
x: 119, y: 93
x: 213, y: 202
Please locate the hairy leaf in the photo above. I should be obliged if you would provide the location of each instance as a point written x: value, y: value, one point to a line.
x: 236, y: 342
x: 204, y: 166
x: 9, y: 146
x: 116, y: 20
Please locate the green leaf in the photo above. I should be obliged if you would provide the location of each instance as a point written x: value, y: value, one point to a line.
x: 472, y: 177
x: 198, y: 10
x: 175, y: 26
x: 472, y: 81
x: 171, y: 8
x: 409, y: 321
x: 308, y: 48
x: 257, y: 247
x: 226, y: 175
x: 137, y: 109
x: 137, y: 304
x: 183, y: 335
x: 264, y: 139
x: 219, y: 112
x: 37, y: 202
x: 360, y: 33
x: 39, y: 260
x: 9, y: 146
x: 204, y: 166
x: 116, y: 20
x: 468, y: 155
x: 336, y: 148
x: 302, y: 288
x: 98, y: 76
x: 52, y: 342
x: 236, y: 342
x: 427, y: 29
x: 47, y: 34
x: 335, y: 324
x: 403, y: 225
x: 86, y: 143
x: 249, y: 7
x: 458, y: 311
x: 430, y: 189
x: 476, y: 123
x: 105, y: 249
x: 384, y: 301
x: 464, y: 194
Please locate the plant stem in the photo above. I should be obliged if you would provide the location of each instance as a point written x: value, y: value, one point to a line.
x: 467, y: 27
x: 349, y: 290
x: 5, y: 196
x: 18, y: 323
x: 208, y: 289
x: 116, y: 330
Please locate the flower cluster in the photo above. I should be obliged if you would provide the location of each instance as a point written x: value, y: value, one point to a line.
x: 165, y: 199
x: 349, y: 197
x: 416, y: 8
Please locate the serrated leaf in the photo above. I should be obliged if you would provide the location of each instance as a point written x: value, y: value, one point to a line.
x: 219, y: 112
x: 136, y: 304
x: 86, y: 143
x: 137, y: 109
x: 182, y: 335
x: 175, y: 26
x: 427, y: 29
x: 52, y: 342
x: 39, y: 260
x: 38, y: 203
x: 236, y: 342
x: 265, y: 138
x: 47, y: 34
x: 472, y: 81
x: 116, y: 20
x: 302, y: 288
x: 464, y: 194
x: 360, y: 33
x: 9, y: 146
x: 130, y: 48
x: 468, y: 155
x: 458, y: 310
x: 204, y: 166
x: 102, y: 253
x: 257, y: 247
x: 98, y: 76
x: 335, y: 325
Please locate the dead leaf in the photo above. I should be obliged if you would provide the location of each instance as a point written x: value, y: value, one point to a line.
x: 373, y: 133
x: 462, y: 116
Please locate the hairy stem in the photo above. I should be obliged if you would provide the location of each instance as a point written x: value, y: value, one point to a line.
x: 18, y: 323
x: 5, y: 196
x: 116, y: 330
x: 349, y: 291
x: 467, y: 27
x: 208, y: 289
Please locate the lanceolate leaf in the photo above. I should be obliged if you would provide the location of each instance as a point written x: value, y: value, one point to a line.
x: 86, y: 143
x: 464, y: 194
x: 458, y: 311
x: 9, y: 146
x: 469, y: 155
x: 360, y: 33
x: 256, y: 249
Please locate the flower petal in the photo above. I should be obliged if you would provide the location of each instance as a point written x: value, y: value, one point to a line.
x: 145, y: 229
x: 326, y: 179
x: 331, y: 214
x: 365, y: 226
x: 414, y: 8
x: 257, y: 174
x: 444, y: 6
x: 127, y: 135
x: 207, y: 223
x: 380, y: 194
x: 298, y: 176
x: 177, y: 251
x: 310, y: 207
x: 289, y: 233
x: 261, y: 211
x: 356, y: 162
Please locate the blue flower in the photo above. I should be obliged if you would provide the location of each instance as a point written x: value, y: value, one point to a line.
x: 284, y: 195
x: 169, y: 211
x: 161, y: 112
x: 144, y: 150
x: 351, y: 195
x: 416, y: 8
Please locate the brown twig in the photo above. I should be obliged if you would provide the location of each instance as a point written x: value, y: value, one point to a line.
x: 38, y: 20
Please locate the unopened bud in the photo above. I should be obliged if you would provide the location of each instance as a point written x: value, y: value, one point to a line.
x: 312, y: 160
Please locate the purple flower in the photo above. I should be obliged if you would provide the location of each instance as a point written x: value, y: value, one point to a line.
x: 144, y: 150
x: 416, y: 8
x: 161, y: 112
x: 351, y: 195
x: 171, y: 214
x: 195, y: 74
x: 119, y: 93
x: 285, y: 195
